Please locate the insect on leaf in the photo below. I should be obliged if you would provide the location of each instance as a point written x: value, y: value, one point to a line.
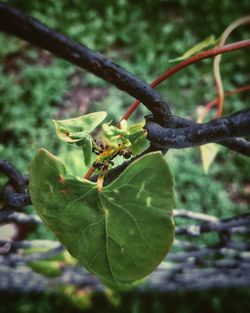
x: 120, y: 233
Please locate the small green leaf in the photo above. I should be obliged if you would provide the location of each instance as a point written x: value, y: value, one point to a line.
x: 47, y: 268
x: 120, y: 233
x: 114, y: 136
x: 133, y: 136
x: 138, y: 138
x: 208, y: 154
x: 87, y: 150
x: 77, y: 130
x: 209, y: 41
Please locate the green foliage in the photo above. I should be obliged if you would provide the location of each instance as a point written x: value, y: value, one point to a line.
x: 133, y: 136
x: 101, y: 228
x: 47, y: 268
x: 27, y: 106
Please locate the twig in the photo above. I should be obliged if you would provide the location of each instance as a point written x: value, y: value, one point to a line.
x: 219, y: 226
x: 194, y: 215
x: 194, y: 59
x: 24, y: 244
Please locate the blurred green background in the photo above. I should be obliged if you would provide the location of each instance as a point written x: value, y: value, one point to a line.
x: 142, y: 36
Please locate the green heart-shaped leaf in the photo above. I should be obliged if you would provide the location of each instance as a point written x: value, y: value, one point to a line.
x: 120, y: 233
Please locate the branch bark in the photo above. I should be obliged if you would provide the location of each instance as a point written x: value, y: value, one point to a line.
x: 221, y: 131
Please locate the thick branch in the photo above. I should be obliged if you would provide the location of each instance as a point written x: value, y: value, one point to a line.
x: 237, y: 144
x: 220, y: 131
x: 27, y: 28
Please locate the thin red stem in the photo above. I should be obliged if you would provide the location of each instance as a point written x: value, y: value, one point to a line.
x: 217, y: 60
x: 89, y: 173
x: 215, y: 102
x: 196, y: 58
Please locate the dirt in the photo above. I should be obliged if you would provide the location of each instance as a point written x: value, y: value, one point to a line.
x: 78, y: 99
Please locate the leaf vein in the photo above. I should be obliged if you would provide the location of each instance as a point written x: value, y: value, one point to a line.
x: 130, y: 215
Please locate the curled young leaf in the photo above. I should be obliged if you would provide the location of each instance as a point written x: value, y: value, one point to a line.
x: 78, y: 130
x: 134, y: 136
x: 120, y: 233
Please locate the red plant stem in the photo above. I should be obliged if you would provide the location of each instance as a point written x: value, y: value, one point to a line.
x: 196, y: 58
x: 214, y: 102
x: 217, y: 60
x: 89, y: 173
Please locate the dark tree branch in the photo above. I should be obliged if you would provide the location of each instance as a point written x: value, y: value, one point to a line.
x: 27, y: 28
x: 237, y: 144
x: 17, y: 180
x: 193, y: 134
x: 14, y: 199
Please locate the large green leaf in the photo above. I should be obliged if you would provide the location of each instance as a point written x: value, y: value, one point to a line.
x: 120, y: 233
